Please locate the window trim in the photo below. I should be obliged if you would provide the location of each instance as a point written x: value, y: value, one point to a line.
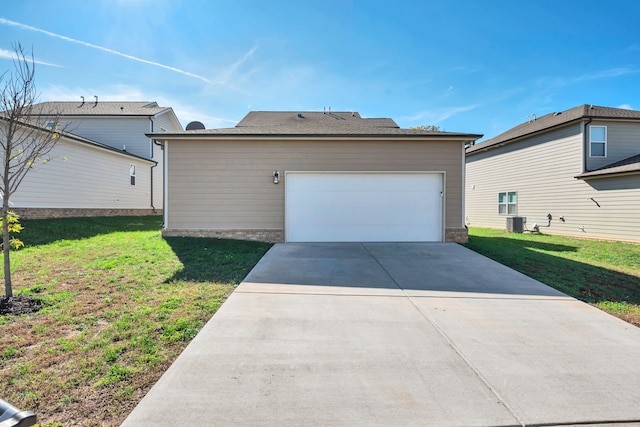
x: 591, y: 141
x: 506, y: 204
x: 132, y: 174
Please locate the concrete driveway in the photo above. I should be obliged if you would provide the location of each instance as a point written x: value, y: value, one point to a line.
x: 398, y: 335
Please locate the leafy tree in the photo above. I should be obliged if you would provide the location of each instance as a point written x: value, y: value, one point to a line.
x: 27, y: 136
x: 430, y: 128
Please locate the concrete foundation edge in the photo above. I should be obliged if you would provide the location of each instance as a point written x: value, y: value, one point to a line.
x: 271, y: 236
x: 454, y: 235
x: 50, y: 213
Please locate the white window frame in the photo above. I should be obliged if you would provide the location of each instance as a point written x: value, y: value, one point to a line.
x: 132, y: 174
x: 507, y: 204
x: 592, y: 141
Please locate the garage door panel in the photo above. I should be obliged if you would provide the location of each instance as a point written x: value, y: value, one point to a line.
x: 363, y: 207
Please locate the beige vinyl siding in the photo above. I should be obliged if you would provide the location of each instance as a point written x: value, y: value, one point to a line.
x: 89, y: 178
x: 228, y: 184
x: 542, y: 171
x: 623, y: 140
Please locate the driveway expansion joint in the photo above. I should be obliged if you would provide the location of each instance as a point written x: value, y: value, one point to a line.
x: 449, y: 341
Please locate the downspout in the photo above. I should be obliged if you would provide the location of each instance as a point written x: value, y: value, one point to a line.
x: 152, y: 206
x: 585, y: 145
x: 164, y: 182
x: 152, y: 167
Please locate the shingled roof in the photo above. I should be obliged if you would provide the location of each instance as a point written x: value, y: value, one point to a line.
x: 312, y: 119
x: 630, y: 165
x: 553, y: 120
x: 312, y: 123
x: 100, y: 108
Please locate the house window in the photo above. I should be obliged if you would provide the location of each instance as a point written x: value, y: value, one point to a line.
x: 598, y: 141
x: 132, y: 174
x: 508, y: 203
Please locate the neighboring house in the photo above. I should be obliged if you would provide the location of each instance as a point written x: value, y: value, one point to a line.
x: 574, y: 173
x: 121, y: 125
x: 314, y: 176
x: 80, y: 177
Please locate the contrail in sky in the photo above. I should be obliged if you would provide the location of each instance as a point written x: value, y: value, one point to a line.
x: 12, y: 55
x: 104, y: 49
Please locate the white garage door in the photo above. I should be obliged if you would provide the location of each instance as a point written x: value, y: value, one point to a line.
x: 363, y: 207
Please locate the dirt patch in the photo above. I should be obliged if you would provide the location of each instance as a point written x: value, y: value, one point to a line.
x: 19, y: 304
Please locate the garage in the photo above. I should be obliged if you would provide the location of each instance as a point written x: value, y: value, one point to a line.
x: 305, y: 176
x: 363, y: 207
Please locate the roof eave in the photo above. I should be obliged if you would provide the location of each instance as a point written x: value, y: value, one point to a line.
x: 173, y: 136
x: 73, y: 137
x: 600, y: 175
x: 480, y: 148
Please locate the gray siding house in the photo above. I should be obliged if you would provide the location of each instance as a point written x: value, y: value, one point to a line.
x: 315, y: 176
x: 573, y: 173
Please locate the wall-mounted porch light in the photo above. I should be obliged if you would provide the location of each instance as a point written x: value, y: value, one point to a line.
x: 276, y: 177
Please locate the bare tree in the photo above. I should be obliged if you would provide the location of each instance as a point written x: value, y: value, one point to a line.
x: 27, y: 136
x: 430, y: 128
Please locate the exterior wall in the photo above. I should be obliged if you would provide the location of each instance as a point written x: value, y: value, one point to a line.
x: 623, y: 141
x: 542, y: 170
x: 219, y: 186
x: 117, y: 132
x: 80, y: 176
x: 164, y: 121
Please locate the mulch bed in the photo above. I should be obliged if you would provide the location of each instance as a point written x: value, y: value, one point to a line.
x: 19, y: 304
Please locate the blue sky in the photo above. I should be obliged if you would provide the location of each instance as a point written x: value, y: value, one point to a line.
x: 478, y: 66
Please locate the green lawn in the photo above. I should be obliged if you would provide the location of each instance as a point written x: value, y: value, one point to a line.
x: 604, y: 274
x: 120, y: 303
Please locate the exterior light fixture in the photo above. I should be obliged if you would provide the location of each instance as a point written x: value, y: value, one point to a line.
x: 276, y: 177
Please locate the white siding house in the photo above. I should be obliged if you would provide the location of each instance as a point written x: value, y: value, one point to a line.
x: 574, y: 173
x: 120, y: 126
x: 84, y: 178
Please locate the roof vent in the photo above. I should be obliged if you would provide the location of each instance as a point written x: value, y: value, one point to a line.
x: 557, y: 113
x: 195, y: 125
x: 96, y: 103
x: 531, y: 118
x: 591, y: 107
x: 300, y: 116
x: 82, y: 102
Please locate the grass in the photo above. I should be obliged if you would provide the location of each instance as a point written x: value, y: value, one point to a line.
x: 604, y: 274
x: 120, y: 303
